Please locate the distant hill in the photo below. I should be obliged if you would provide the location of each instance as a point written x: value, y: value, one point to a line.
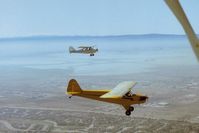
x: 109, y: 37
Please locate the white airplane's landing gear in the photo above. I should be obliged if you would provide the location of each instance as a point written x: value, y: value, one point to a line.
x: 91, y: 54
x: 70, y: 97
x: 129, y: 110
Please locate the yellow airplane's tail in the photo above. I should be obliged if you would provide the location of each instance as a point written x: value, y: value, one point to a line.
x: 73, y: 87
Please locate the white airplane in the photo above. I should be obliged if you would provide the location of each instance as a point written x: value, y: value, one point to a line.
x: 84, y: 50
x: 181, y: 16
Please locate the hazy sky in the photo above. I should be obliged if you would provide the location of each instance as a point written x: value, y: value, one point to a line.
x: 91, y: 17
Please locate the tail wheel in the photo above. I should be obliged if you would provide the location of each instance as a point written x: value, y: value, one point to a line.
x: 128, y: 112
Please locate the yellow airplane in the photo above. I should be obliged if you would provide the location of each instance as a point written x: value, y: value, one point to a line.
x: 178, y: 11
x: 121, y: 94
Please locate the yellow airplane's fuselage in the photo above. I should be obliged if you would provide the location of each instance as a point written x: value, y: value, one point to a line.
x: 120, y: 95
x: 124, y: 101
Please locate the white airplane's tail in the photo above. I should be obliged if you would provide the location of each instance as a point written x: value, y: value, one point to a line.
x: 71, y: 49
x: 181, y: 16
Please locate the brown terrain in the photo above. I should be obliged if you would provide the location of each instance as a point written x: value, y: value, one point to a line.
x: 34, y: 100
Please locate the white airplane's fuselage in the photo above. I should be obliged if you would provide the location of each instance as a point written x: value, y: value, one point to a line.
x: 87, y: 50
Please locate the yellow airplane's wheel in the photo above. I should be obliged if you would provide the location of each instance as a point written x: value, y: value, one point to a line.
x: 128, y: 112
x: 131, y: 108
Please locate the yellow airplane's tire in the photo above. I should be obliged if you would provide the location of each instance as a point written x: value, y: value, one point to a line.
x: 128, y: 112
x: 131, y: 108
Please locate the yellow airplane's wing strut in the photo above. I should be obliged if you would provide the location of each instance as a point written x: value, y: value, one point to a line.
x: 181, y: 16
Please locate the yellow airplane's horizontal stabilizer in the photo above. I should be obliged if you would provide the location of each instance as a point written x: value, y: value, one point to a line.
x: 72, y: 93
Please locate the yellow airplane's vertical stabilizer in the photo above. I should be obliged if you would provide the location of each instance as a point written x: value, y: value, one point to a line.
x: 73, y: 87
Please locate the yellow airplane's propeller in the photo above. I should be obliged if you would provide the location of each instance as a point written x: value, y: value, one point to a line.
x: 178, y: 11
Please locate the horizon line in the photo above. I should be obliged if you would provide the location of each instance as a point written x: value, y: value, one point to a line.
x: 119, y: 35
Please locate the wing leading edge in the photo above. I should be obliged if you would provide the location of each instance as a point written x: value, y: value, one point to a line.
x: 120, y: 90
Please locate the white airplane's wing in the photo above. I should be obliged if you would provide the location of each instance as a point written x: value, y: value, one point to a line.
x: 120, y: 90
x: 84, y: 47
x: 181, y: 16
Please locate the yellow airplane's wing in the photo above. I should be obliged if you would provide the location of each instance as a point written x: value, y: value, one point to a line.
x: 181, y: 16
x: 120, y: 90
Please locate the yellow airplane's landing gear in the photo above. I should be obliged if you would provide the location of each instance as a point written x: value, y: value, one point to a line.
x: 91, y: 54
x: 129, y: 110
